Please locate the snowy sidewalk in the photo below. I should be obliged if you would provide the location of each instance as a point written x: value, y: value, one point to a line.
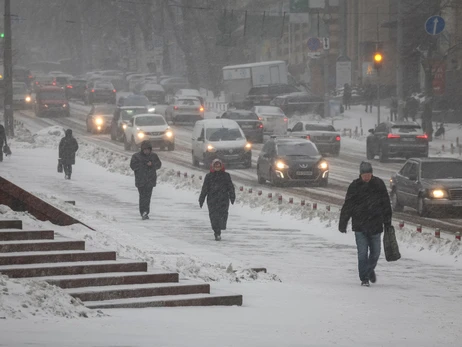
x: 416, y: 302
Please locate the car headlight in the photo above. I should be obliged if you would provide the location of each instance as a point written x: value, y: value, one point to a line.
x: 323, y: 165
x: 169, y: 133
x: 141, y: 135
x: 98, y: 121
x: 248, y: 146
x: 210, y: 148
x: 124, y: 126
x: 64, y: 105
x: 28, y: 99
x: 438, y: 193
x: 152, y: 109
x: 281, y: 165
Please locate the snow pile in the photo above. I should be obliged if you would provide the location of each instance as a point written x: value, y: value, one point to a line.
x: 26, y: 298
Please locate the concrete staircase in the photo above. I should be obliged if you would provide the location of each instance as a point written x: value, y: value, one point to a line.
x: 97, y: 277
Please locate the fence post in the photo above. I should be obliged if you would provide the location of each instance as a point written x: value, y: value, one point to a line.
x: 419, y: 228
x: 437, y: 233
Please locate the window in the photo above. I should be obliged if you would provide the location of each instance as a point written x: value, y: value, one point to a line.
x: 241, y: 116
x: 319, y: 127
x: 381, y: 128
x: 223, y: 134
x: 298, y: 127
x: 442, y: 170
x: 149, y: 121
x: 298, y: 149
x: 408, y: 169
x: 52, y: 95
x: 406, y: 129
x: 188, y: 102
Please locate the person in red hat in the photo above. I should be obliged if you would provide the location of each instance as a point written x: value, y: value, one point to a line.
x: 218, y: 188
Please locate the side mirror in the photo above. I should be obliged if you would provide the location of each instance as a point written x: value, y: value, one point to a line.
x: 371, y: 131
x: 200, y: 139
x: 413, y: 177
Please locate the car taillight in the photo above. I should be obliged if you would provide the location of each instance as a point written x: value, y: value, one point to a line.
x: 175, y: 107
x: 260, y: 125
x: 393, y: 136
x: 30, y: 76
x: 70, y: 87
x: 424, y: 136
x: 92, y: 90
x: 54, y: 83
x: 114, y: 91
x: 260, y: 118
x: 286, y: 119
x: 36, y: 83
x: 337, y: 138
x: 201, y: 109
x: 308, y: 137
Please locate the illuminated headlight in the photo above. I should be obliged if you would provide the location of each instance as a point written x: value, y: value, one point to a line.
x: 64, y: 105
x: 281, y: 165
x: 248, y: 146
x: 98, y: 121
x: 28, y: 99
x: 169, y: 133
x: 323, y: 165
x: 210, y: 148
x: 152, y: 109
x: 141, y: 135
x: 439, y: 194
x: 46, y: 106
x: 124, y: 126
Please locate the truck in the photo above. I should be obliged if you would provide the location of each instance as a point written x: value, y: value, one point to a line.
x: 238, y: 79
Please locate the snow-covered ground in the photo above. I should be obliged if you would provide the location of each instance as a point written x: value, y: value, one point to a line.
x: 310, y: 296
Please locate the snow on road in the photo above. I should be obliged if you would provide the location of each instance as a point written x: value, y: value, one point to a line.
x: 311, y: 296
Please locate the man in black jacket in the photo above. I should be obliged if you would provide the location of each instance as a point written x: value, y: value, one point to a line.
x: 2, y: 140
x: 219, y: 191
x: 145, y: 164
x: 368, y: 205
x: 68, y: 146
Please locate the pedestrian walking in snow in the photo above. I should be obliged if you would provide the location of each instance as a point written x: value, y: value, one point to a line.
x: 145, y: 164
x: 68, y: 146
x: 2, y: 140
x: 368, y: 205
x: 369, y: 97
x: 347, y: 96
x: 219, y: 191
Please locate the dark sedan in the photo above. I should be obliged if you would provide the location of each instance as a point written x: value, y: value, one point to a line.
x: 428, y: 185
x: 249, y: 123
x: 100, y: 91
x: 76, y: 89
x: 99, y: 119
x: 291, y: 160
x: 397, y: 140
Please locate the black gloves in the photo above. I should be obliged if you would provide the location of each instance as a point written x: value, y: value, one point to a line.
x: 342, y: 231
x: 232, y: 201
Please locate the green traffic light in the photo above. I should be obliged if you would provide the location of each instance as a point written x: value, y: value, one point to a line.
x: 2, y: 35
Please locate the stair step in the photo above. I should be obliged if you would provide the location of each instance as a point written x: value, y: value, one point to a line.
x: 40, y: 270
x: 19, y: 258
x: 111, y: 279
x: 169, y: 301
x: 15, y: 234
x: 138, y: 290
x: 40, y: 245
x: 11, y: 224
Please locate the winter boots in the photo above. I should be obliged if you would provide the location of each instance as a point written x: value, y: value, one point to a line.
x: 373, y: 277
x: 144, y: 216
x: 365, y: 283
x: 217, y: 235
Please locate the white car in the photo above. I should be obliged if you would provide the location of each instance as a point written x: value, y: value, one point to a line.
x: 190, y: 92
x: 273, y: 118
x: 148, y: 127
x: 184, y: 109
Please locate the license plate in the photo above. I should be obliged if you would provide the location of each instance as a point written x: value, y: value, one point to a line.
x: 408, y: 139
x: 232, y: 156
x: 457, y: 204
x: 304, y: 173
x: 247, y: 127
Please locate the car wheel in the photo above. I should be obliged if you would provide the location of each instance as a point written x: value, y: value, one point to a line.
x: 171, y: 147
x: 395, y: 204
x: 126, y: 144
x: 195, y: 162
x: 369, y: 153
x: 260, y: 179
x: 383, y: 156
x: 421, y: 207
x: 133, y: 146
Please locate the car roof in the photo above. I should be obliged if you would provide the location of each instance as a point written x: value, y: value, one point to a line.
x: 148, y: 115
x: 240, y: 111
x: 221, y: 122
x: 437, y: 160
x: 290, y: 140
x: 134, y: 96
x: 186, y: 90
x: 404, y: 123
x: 132, y: 107
x: 180, y: 97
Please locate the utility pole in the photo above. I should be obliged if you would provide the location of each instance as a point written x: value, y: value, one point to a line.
x: 8, y: 73
x: 377, y: 47
x: 326, y: 18
x: 400, y: 69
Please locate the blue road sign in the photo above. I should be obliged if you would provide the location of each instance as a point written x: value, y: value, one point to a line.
x: 435, y: 25
x: 314, y: 44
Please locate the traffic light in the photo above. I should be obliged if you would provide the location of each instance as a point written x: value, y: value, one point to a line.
x: 2, y: 35
x: 378, y: 60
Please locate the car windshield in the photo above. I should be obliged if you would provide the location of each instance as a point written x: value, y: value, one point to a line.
x: 43, y: 79
x: 104, y: 110
x: 406, y: 129
x: 104, y: 85
x: 128, y: 114
x: 442, y: 170
x: 52, y: 95
x: 149, y: 120
x: 223, y: 134
x: 19, y: 89
x: 269, y: 110
x: 319, y: 127
x: 188, y: 102
x: 61, y: 80
x: 136, y: 101
x: 78, y: 83
x: 241, y: 116
x: 298, y: 149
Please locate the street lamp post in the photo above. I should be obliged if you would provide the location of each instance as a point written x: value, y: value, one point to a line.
x: 326, y: 19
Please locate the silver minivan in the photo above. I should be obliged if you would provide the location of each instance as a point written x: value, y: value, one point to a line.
x: 222, y: 139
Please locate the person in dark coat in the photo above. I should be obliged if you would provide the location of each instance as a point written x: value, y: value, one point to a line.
x: 68, y: 146
x: 2, y: 140
x: 368, y: 205
x: 219, y: 191
x: 369, y: 97
x: 393, y: 108
x: 145, y: 164
x: 347, y: 96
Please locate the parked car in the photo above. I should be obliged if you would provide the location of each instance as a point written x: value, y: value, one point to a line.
x: 273, y: 119
x: 172, y: 84
x: 154, y: 92
x: 136, y: 100
x: 22, y: 98
x: 397, y: 140
x: 148, y: 127
x: 249, y: 123
x: 428, y: 185
x: 51, y: 101
x: 75, y: 89
x: 122, y: 116
x: 220, y: 138
x: 99, y: 119
x: 286, y: 160
x: 262, y: 95
x: 296, y: 104
x: 100, y: 91
x: 184, y: 109
x: 191, y: 92
x: 324, y: 136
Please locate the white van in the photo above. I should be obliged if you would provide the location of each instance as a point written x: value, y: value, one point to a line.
x: 220, y: 138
